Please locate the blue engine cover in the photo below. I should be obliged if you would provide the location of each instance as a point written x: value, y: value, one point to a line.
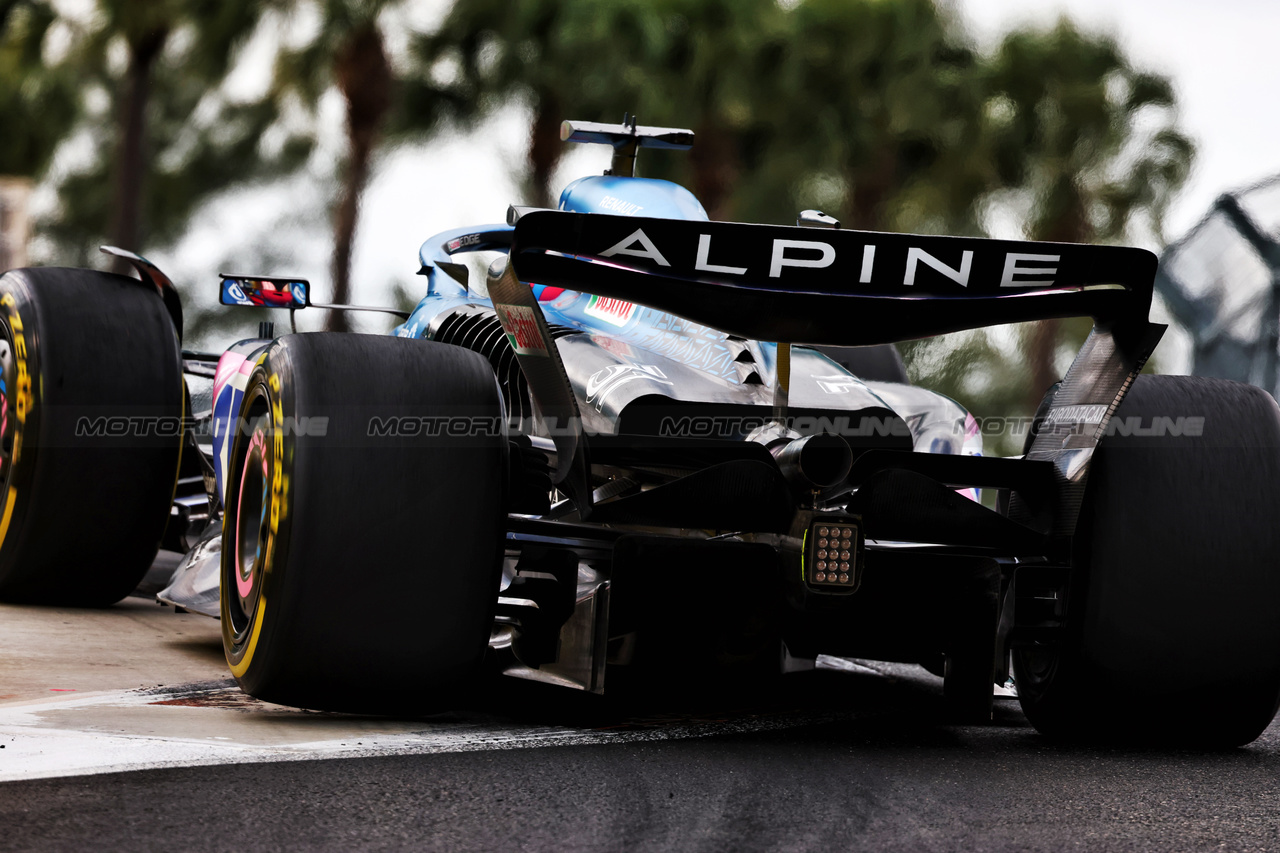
x: 628, y: 197
x: 631, y: 197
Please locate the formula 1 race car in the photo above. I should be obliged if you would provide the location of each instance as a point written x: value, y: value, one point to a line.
x: 640, y: 447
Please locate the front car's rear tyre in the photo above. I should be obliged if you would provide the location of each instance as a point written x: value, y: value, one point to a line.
x: 91, y: 404
x: 1173, y: 612
x: 364, y: 533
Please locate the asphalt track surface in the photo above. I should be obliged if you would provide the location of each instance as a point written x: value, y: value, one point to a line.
x: 855, y: 757
x: 866, y: 764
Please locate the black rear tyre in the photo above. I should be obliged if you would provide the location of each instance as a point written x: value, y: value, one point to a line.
x: 91, y: 408
x: 362, y: 546
x: 1173, y: 614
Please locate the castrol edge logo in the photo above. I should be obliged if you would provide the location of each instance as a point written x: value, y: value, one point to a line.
x: 522, y: 329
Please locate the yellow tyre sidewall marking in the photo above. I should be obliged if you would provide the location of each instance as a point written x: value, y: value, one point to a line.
x: 277, y: 510
x: 23, y: 401
x: 239, y: 669
x: 8, y: 512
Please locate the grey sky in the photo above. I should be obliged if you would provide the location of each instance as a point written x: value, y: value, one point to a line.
x: 1224, y: 59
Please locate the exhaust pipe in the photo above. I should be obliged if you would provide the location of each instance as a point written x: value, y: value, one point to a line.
x: 815, y: 461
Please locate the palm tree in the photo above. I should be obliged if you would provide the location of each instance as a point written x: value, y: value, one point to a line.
x: 669, y: 62
x: 349, y: 52
x: 40, y: 102
x: 178, y: 138
x: 546, y: 53
x: 146, y: 29
x: 716, y: 68
x: 880, y: 104
x: 880, y: 113
x: 1088, y: 140
x: 169, y: 139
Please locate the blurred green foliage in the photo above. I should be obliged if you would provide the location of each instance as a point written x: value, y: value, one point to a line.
x: 1084, y: 143
x: 884, y: 114
x: 347, y: 52
x: 156, y: 135
x: 42, y: 103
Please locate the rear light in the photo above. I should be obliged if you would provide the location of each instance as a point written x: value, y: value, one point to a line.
x: 832, y: 554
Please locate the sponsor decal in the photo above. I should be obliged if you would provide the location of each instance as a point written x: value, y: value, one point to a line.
x: 462, y: 242
x: 522, y: 329
x: 1017, y: 269
x: 681, y: 340
x: 1075, y: 415
x: 615, y: 312
x: 840, y: 383
x: 604, y: 382
x: 409, y: 330
x: 617, y: 347
x: 617, y: 205
x: 636, y: 244
x: 279, y: 481
x: 915, y: 422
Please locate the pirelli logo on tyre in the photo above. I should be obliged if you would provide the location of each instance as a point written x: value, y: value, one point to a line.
x: 22, y: 394
x: 522, y: 330
x: 279, y: 485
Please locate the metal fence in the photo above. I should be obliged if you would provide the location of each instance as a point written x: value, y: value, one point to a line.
x: 1222, y: 283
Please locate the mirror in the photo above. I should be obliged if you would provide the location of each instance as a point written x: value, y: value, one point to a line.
x: 265, y: 292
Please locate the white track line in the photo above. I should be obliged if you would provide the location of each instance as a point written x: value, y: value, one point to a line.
x: 74, y: 737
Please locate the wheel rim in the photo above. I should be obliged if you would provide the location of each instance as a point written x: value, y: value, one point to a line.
x: 1037, y: 667
x: 243, y: 575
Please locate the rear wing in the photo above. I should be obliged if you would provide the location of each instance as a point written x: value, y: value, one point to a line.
x: 800, y: 285
x: 793, y: 285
